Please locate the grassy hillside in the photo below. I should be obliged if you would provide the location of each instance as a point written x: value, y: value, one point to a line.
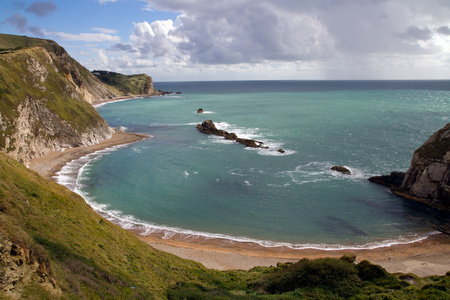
x: 79, y: 255
x: 87, y: 256
x: 9, y: 43
x: 44, y: 95
x: 138, y: 84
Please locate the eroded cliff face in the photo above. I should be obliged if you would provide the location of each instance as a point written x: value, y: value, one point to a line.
x: 429, y: 174
x: 44, y: 103
x: 428, y: 178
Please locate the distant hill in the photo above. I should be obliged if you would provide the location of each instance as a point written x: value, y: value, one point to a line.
x: 139, y: 84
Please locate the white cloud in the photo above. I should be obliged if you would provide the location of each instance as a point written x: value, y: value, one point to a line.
x: 340, y: 38
x: 105, y: 30
x: 84, y: 37
x: 105, y: 1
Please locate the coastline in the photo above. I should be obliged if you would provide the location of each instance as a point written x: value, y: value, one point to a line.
x: 430, y: 256
x: 49, y: 164
x: 424, y: 258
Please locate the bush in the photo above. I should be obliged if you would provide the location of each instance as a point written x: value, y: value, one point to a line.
x: 329, y: 274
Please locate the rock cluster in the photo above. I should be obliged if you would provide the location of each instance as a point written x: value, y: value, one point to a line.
x: 208, y: 127
x: 428, y: 177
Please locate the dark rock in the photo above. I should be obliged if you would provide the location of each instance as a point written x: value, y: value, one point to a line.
x: 281, y: 150
x: 178, y: 93
x: 208, y: 127
x: 341, y: 169
x: 428, y: 178
x: 393, y: 180
x: 200, y: 111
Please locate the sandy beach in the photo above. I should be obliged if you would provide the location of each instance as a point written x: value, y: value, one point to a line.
x: 49, y: 164
x: 427, y: 257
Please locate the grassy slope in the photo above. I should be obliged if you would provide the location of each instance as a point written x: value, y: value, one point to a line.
x: 78, y: 242
x: 91, y: 258
x: 10, y: 42
x: 127, y: 84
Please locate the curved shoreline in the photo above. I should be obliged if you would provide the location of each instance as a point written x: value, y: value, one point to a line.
x: 49, y: 164
x: 430, y: 256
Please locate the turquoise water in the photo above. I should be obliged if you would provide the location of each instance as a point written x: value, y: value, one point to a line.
x: 187, y: 183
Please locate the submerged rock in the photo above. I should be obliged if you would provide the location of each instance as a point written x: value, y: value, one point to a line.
x: 342, y: 170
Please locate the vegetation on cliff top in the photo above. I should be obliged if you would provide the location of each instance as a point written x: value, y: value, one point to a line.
x: 86, y: 257
x: 137, y: 84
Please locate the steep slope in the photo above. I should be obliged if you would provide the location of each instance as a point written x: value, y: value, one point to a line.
x: 83, y: 81
x: 138, y: 84
x: 44, y: 97
x: 52, y: 242
x: 428, y: 178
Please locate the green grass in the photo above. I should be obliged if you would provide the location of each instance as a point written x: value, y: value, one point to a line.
x: 70, y: 114
x: 90, y: 258
x: 128, y: 84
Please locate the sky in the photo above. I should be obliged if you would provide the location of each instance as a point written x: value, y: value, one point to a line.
x: 186, y: 40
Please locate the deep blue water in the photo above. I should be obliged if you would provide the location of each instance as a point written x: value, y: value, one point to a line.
x: 183, y: 181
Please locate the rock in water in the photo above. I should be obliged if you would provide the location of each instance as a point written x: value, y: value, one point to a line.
x: 200, y: 111
x: 428, y: 178
x: 341, y: 169
x: 209, y: 127
x: 394, y: 180
x: 429, y: 174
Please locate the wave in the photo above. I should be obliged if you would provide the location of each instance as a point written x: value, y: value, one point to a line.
x: 75, y: 171
x: 113, y: 101
x: 321, y: 171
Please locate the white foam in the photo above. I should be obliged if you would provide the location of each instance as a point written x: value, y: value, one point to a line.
x: 253, y: 134
x: 113, y: 101
x: 71, y: 175
x: 321, y: 171
x: 205, y: 112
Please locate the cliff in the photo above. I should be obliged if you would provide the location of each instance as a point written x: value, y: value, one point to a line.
x: 428, y: 178
x: 137, y: 84
x: 45, y: 98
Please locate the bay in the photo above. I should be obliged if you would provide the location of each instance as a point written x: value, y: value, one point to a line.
x: 184, y: 182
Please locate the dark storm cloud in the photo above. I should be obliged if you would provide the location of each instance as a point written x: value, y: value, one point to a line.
x: 416, y: 33
x: 245, y: 31
x: 445, y: 30
x: 42, y: 8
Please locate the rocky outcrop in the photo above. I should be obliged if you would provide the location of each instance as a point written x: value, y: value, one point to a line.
x: 20, y: 267
x: 45, y: 97
x: 200, y: 110
x: 208, y: 127
x: 428, y: 177
x: 341, y: 169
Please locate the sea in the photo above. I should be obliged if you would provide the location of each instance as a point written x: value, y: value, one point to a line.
x: 184, y: 184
